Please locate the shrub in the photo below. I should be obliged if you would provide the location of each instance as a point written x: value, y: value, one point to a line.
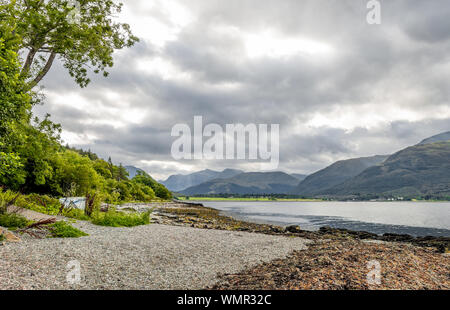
x: 114, y: 218
x: 64, y: 230
x: 7, y: 198
x: 13, y: 221
x: 39, y: 203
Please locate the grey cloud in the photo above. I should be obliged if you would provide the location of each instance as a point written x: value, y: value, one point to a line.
x: 407, y: 54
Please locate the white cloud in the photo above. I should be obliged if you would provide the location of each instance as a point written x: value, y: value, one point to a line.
x: 270, y: 44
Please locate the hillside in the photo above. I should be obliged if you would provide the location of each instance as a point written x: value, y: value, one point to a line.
x: 423, y: 169
x: 247, y: 183
x: 298, y: 176
x: 335, y: 174
x: 180, y: 182
x: 437, y: 138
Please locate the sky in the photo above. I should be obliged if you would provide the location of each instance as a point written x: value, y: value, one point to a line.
x: 339, y: 87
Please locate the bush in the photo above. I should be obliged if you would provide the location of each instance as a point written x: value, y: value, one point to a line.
x: 39, y: 203
x: 114, y: 218
x: 64, y: 230
x: 13, y: 221
x: 6, y: 198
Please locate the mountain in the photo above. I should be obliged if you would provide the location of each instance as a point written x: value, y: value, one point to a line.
x: 180, y: 182
x: 298, y: 176
x: 437, y: 138
x: 246, y: 183
x: 423, y: 169
x: 335, y: 174
x: 132, y: 171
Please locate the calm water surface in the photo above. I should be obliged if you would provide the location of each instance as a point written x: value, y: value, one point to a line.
x: 413, y: 218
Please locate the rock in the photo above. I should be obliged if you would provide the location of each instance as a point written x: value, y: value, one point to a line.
x: 293, y: 229
x: 9, y: 236
x: 275, y: 229
x: 396, y: 237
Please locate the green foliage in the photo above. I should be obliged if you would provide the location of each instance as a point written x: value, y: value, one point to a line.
x: 14, y: 104
x: 82, y: 37
x: 13, y: 221
x: 32, y: 159
x: 160, y: 190
x: 9, y: 166
x: 72, y: 168
x: 114, y: 218
x: 6, y: 198
x: 64, y: 230
x: 76, y: 214
x: 37, y: 145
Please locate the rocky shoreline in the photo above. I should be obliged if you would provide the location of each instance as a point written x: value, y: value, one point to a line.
x: 198, y: 216
x: 188, y: 240
x: 347, y: 265
x: 336, y: 258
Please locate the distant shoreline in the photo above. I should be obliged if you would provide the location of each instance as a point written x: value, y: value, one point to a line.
x: 218, y: 199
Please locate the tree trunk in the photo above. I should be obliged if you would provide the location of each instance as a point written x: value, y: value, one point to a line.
x: 43, y: 72
x: 28, y: 62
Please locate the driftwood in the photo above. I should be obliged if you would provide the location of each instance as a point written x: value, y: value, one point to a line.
x: 89, y: 204
x: 41, y: 225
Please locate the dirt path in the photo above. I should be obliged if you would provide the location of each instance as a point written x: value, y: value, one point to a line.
x: 31, y: 215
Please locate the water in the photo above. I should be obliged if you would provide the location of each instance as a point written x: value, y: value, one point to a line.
x: 413, y: 218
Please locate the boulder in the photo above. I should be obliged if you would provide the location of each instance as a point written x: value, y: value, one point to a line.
x: 293, y: 229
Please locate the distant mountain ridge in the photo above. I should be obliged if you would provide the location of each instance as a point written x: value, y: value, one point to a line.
x: 299, y: 176
x: 246, y: 183
x: 422, y: 169
x: 180, y: 182
x: 335, y: 174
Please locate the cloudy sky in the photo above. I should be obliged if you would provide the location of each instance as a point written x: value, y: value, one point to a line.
x: 338, y: 87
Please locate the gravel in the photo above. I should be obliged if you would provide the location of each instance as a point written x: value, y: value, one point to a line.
x: 144, y: 257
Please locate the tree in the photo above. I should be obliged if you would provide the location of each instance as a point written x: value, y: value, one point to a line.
x: 160, y: 190
x: 37, y: 147
x: 73, y: 168
x: 122, y: 173
x: 14, y: 104
x: 83, y: 34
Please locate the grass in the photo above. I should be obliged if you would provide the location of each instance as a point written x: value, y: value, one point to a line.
x: 76, y: 214
x: 51, y: 206
x: 13, y: 221
x: 114, y: 218
x: 64, y: 230
x: 2, y: 238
